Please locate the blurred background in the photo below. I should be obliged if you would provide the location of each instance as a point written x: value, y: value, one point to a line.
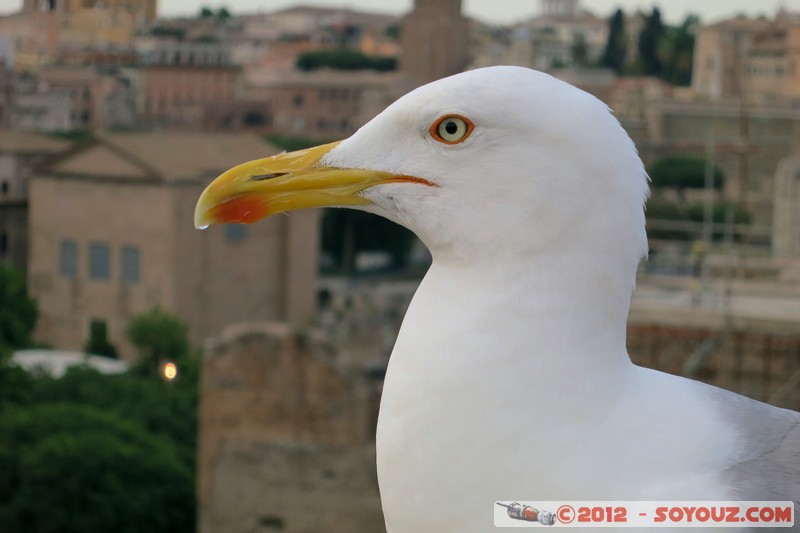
x: 158, y: 378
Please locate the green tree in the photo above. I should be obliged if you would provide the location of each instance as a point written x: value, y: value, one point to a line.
x: 678, y: 51
x: 98, y: 343
x: 206, y: 12
x: 223, y: 13
x: 169, y: 412
x: 720, y: 212
x: 392, y: 31
x: 616, y: 49
x: 15, y: 383
x: 73, y: 468
x: 383, y: 63
x: 682, y: 172
x: 74, y: 136
x: 158, y: 336
x: 665, y: 210
x: 178, y: 34
x: 18, y: 311
x: 343, y: 59
x: 649, y: 44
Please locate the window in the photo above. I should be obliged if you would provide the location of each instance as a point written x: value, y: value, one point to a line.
x: 253, y: 118
x: 235, y: 232
x: 68, y: 259
x: 130, y: 264
x: 99, y: 268
x: 98, y: 343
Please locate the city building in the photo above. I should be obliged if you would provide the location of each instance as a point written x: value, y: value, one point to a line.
x: 323, y: 104
x: 756, y: 60
x: 43, y: 30
x: 274, y: 40
x: 7, y: 84
x: 49, y: 111
x: 179, y: 82
x: 112, y: 235
x: 62, y: 98
x: 562, y: 35
x: 772, y: 69
x: 320, y: 24
x: 20, y: 152
x: 254, y: 116
x: 30, y: 38
x: 141, y: 10
x: 565, y: 34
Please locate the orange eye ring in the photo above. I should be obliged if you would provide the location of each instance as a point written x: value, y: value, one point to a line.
x: 451, y: 129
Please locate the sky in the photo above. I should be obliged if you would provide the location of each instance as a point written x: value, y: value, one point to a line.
x: 493, y: 11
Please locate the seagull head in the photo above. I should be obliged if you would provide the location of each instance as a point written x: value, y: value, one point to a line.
x: 494, y: 161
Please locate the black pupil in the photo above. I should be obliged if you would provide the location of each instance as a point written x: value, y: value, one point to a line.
x: 451, y: 127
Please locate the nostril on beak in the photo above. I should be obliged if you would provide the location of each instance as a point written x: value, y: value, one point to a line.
x: 261, y: 177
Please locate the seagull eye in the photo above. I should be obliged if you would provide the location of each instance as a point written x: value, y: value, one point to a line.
x: 452, y: 129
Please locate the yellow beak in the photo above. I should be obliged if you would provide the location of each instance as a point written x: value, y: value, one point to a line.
x: 285, y: 182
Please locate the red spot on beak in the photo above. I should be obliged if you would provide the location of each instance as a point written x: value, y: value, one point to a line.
x: 240, y: 210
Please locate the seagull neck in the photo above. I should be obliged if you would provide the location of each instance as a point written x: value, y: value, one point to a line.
x: 570, y: 311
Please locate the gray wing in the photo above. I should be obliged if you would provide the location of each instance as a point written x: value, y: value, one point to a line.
x: 769, y: 467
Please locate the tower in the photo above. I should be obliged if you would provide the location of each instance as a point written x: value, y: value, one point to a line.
x: 435, y: 40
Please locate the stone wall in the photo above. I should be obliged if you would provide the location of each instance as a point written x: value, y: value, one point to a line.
x: 286, y: 436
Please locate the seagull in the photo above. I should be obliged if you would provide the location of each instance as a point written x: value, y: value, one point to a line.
x: 510, y: 376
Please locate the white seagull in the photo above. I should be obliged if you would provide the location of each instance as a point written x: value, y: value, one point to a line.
x: 510, y: 377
